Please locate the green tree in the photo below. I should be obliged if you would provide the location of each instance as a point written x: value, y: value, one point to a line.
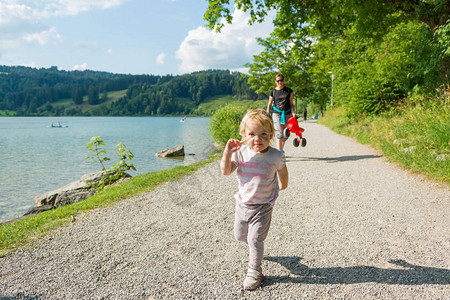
x: 77, y: 97
x: 93, y: 95
x: 378, y: 51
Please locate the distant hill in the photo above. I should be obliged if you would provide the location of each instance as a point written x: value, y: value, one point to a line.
x: 28, y: 91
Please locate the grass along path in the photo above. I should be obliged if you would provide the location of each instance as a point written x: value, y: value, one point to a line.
x: 23, y: 232
x: 415, y: 137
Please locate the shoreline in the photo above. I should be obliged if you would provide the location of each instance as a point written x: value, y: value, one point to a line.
x: 350, y: 225
x: 38, y: 159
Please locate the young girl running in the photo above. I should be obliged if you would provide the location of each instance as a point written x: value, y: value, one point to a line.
x: 261, y: 172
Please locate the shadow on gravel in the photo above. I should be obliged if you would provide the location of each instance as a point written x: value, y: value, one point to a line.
x: 332, y: 159
x: 410, y: 275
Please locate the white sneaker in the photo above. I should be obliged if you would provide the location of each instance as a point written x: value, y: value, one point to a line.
x: 253, y: 280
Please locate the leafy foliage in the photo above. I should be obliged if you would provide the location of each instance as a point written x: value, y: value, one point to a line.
x: 98, y: 152
x: 415, y: 136
x: 119, y: 169
x: 224, y: 124
x: 379, y: 52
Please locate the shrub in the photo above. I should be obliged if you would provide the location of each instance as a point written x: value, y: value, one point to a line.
x: 224, y: 124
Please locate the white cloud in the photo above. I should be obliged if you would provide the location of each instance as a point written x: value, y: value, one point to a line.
x: 12, y: 13
x: 42, y: 37
x: 12, y: 10
x: 31, y: 65
x: 234, y: 46
x: 74, y: 7
x: 81, y: 67
x: 240, y: 70
x: 21, y: 20
x: 16, y: 38
x: 160, y: 59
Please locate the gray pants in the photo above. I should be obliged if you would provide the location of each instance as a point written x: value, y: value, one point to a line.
x: 251, y: 226
x: 279, y: 128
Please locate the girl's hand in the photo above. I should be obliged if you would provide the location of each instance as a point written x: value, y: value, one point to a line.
x: 226, y: 166
x: 233, y: 145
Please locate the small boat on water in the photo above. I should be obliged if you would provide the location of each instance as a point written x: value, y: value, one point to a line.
x: 58, y: 125
x: 183, y: 119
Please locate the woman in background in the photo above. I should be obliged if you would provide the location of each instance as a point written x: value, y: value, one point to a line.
x: 281, y: 101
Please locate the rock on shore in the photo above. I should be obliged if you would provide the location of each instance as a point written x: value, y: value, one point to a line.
x: 71, y: 193
x: 172, y: 152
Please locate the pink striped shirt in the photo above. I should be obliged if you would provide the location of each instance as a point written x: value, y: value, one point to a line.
x: 257, y: 175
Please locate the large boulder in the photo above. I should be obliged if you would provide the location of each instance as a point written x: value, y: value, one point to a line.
x: 73, y: 192
x: 172, y: 152
x: 38, y: 209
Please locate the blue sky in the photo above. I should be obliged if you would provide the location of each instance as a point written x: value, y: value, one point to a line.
x: 123, y: 36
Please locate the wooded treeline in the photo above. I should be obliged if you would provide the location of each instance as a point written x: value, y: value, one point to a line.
x: 31, y: 92
x: 182, y: 94
x: 377, y: 54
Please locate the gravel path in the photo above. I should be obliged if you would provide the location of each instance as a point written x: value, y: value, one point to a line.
x: 349, y: 226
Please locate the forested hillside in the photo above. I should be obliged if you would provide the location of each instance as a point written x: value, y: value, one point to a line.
x: 28, y: 91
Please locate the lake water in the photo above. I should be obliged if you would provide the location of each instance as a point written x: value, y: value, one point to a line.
x: 35, y: 158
